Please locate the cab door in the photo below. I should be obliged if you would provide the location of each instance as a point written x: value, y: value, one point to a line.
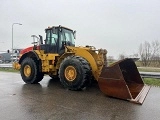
x: 51, y: 42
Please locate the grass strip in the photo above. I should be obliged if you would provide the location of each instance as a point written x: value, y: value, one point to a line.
x: 152, y: 81
x: 8, y: 70
x: 148, y: 70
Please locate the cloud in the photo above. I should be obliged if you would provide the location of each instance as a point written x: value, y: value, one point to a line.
x: 119, y: 26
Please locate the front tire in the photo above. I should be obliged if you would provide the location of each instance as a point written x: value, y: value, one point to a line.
x: 75, y: 73
x: 30, y: 71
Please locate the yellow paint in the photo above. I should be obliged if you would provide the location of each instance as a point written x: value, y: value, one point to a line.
x: 96, y: 59
x: 16, y: 66
x: 27, y: 70
x: 47, y: 61
x: 70, y: 73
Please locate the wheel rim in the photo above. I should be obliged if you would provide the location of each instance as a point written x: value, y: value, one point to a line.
x: 70, y: 73
x: 27, y: 70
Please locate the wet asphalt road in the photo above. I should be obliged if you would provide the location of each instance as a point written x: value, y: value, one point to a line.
x: 50, y: 101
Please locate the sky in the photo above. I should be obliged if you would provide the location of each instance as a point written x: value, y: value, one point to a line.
x: 119, y: 26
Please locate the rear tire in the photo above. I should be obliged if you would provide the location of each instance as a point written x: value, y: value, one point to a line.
x: 30, y: 71
x: 75, y: 73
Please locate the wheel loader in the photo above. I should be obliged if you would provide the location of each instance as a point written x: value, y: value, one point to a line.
x: 77, y: 67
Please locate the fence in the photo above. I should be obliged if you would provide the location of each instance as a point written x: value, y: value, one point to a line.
x: 5, y: 65
x: 150, y: 74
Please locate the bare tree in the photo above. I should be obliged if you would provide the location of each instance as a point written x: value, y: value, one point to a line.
x: 145, y: 53
x: 135, y: 55
x: 149, y: 52
x: 156, y: 53
x: 121, y: 56
x: 110, y: 58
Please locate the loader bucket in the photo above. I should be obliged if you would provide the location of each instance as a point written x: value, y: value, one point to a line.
x: 122, y: 80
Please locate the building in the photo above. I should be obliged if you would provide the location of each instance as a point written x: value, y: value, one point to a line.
x: 9, y: 57
x: 5, y: 57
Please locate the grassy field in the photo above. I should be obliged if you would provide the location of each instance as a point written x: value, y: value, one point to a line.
x: 8, y: 70
x: 152, y: 81
x: 148, y: 69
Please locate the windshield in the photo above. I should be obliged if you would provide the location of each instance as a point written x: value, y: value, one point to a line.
x: 68, y: 36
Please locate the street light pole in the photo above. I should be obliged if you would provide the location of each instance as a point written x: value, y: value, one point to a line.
x: 12, y: 37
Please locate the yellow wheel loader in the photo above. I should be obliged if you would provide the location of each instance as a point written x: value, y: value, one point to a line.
x: 76, y: 67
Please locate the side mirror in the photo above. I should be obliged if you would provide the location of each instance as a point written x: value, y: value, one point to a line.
x: 41, y: 39
x: 74, y: 34
x: 45, y: 41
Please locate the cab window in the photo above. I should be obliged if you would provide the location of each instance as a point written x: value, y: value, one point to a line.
x: 48, y: 36
x: 54, y: 38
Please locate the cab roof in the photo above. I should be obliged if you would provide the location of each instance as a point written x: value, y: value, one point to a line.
x: 57, y: 27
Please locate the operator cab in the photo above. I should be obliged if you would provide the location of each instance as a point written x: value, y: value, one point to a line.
x: 57, y: 38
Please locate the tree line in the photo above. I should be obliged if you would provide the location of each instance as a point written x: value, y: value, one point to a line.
x: 148, y: 54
